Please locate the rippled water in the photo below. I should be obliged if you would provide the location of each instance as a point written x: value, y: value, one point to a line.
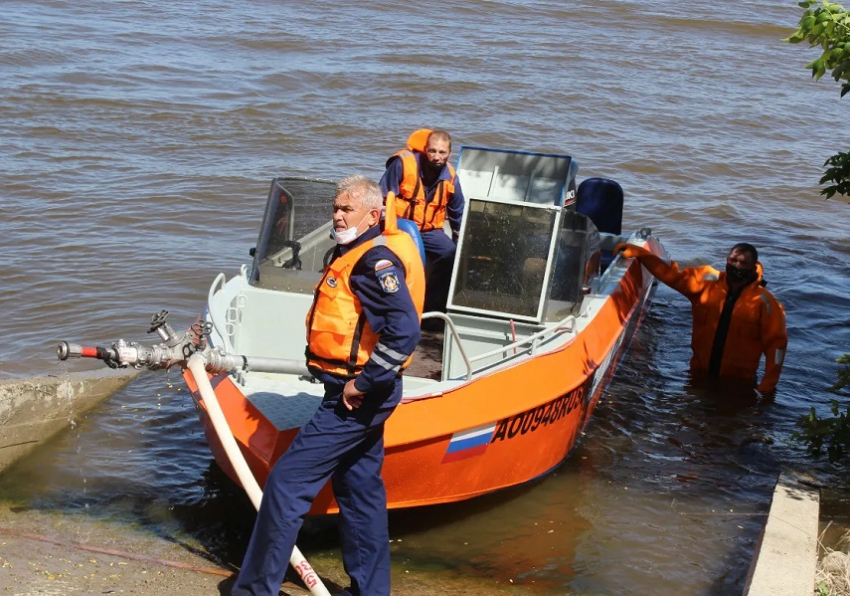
x: 139, y: 139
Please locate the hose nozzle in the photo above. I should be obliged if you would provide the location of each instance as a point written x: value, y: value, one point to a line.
x: 65, y: 350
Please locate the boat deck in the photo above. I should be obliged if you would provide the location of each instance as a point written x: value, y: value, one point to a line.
x: 428, y: 358
x: 290, y: 406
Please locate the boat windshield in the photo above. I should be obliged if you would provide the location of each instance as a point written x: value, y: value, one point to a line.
x: 294, y: 238
x: 524, y: 262
x: 523, y: 253
x: 503, y: 258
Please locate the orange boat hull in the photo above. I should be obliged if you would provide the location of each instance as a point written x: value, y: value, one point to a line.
x: 502, y: 429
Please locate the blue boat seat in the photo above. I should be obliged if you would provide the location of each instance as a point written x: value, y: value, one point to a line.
x: 410, y: 227
x: 601, y: 199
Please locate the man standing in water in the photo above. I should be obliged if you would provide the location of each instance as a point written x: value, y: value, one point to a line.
x: 735, y: 319
x: 362, y: 329
x: 428, y: 193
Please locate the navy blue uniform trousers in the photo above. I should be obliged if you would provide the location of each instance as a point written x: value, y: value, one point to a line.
x: 440, y: 257
x: 347, y: 447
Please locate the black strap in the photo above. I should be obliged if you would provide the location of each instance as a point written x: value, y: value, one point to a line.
x: 438, y: 193
x: 720, y: 336
x: 355, y: 344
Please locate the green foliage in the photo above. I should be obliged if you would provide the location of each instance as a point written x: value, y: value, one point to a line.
x: 833, y: 433
x: 843, y: 374
x: 838, y: 173
x: 826, y: 25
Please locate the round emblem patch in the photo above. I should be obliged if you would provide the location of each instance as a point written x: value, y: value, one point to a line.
x: 332, y: 282
x: 389, y: 282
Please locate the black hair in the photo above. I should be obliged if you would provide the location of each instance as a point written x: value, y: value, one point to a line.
x: 748, y: 248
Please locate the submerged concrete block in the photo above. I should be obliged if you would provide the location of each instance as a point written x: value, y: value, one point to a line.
x: 786, y: 558
x: 34, y: 409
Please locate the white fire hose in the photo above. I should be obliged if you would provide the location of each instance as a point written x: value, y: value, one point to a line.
x: 197, y: 366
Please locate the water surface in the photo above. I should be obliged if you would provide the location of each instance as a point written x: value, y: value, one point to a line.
x: 139, y: 139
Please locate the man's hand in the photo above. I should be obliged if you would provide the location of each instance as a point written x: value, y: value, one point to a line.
x: 765, y: 390
x: 351, y: 397
x: 455, y: 236
x: 626, y: 249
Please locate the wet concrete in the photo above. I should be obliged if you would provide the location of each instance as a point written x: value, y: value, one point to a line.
x: 34, y: 409
x: 48, y: 553
x: 786, y: 557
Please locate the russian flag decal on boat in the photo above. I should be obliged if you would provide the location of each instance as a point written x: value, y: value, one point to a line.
x: 469, y: 443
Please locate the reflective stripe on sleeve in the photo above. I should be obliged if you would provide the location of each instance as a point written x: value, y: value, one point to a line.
x: 394, y: 354
x: 384, y: 364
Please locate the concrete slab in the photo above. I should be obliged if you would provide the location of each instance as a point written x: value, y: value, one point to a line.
x: 786, y: 557
x: 34, y: 409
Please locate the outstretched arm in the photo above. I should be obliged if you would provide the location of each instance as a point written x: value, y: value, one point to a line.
x: 689, y: 281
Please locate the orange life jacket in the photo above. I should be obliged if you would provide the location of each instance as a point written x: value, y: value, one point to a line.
x: 339, y: 338
x: 412, y: 205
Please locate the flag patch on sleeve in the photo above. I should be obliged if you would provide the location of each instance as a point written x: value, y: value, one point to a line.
x: 383, y: 264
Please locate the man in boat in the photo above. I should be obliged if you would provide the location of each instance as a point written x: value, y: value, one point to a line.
x: 735, y: 319
x: 423, y: 178
x: 362, y: 329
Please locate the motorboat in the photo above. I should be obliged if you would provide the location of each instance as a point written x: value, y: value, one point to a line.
x: 540, y: 312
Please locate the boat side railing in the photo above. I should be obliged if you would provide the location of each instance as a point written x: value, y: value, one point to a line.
x: 533, y: 339
x: 455, y: 337
x: 529, y: 343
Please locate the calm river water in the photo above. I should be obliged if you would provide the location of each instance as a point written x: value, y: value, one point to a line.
x: 138, y: 141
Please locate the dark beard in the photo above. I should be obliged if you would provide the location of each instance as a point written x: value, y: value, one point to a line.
x: 430, y: 172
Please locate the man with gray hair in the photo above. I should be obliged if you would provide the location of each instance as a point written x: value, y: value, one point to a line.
x: 370, y: 295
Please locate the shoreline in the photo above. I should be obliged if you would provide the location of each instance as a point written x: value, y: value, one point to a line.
x: 47, y: 552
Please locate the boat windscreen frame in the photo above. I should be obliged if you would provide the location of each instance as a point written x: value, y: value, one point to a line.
x: 561, y: 161
x: 537, y: 318
x: 276, y: 209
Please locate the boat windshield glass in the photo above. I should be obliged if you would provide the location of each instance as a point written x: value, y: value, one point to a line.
x: 295, y: 236
x: 503, y: 258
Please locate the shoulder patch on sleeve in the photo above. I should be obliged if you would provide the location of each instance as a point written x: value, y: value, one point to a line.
x: 383, y: 264
x: 389, y: 281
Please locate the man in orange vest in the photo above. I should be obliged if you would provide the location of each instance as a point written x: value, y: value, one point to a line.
x: 362, y: 330
x: 735, y: 319
x: 429, y: 192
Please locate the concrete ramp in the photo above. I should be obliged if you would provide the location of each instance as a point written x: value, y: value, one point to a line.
x: 34, y: 409
x: 786, y: 557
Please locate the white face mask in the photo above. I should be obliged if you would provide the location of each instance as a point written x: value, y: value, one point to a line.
x: 348, y: 235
